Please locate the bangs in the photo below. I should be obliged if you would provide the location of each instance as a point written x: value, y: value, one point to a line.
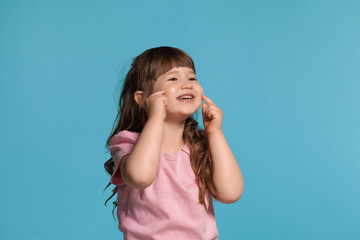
x: 165, y: 59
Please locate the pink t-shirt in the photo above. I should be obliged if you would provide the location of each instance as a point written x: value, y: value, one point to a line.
x: 169, y: 208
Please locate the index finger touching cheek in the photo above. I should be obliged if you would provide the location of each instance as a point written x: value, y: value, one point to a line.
x: 158, y: 93
x: 207, y: 100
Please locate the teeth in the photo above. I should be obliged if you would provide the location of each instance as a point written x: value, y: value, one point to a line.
x: 186, y: 97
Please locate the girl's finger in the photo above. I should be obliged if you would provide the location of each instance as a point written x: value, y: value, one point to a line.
x: 158, y: 93
x: 204, y: 107
x: 212, y: 113
x: 207, y: 100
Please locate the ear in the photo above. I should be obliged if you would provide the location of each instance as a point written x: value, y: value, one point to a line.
x: 138, y: 96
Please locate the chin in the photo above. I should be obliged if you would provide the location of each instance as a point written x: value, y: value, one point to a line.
x: 179, y: 116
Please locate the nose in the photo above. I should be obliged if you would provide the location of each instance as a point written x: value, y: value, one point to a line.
x: 187, y: 85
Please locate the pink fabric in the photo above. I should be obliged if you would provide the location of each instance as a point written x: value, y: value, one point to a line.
x: 169, y: 207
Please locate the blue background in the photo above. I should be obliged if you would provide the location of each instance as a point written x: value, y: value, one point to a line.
x: 285, y: 73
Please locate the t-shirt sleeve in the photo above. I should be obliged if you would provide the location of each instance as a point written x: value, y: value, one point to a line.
x: 120, y: 145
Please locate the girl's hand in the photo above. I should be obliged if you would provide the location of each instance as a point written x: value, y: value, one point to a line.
x: 155, y: 105
x: 212, y: 116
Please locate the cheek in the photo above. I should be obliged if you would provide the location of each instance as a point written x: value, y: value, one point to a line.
x: 170, y: 91
x: 200, y: 91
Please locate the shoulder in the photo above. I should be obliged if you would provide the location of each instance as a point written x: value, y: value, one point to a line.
x: 124, y: 136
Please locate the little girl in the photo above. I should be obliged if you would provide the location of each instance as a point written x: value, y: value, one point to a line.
x: 165, y: 169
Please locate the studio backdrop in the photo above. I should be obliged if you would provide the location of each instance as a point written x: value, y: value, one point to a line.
x: 285, y: 73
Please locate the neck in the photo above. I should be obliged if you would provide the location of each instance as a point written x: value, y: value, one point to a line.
x: 173, y: 137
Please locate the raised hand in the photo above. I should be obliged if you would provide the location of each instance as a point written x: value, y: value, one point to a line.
x: 212, y: 115
x: 155, y: 105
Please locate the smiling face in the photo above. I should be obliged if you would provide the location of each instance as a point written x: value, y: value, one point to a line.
x: 183, y: 92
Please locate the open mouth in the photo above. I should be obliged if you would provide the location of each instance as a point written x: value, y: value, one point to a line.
x: 186, y: 97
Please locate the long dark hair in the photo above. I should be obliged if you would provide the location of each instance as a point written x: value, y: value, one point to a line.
x: 144, y: 71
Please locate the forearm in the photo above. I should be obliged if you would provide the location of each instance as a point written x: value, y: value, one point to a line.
x: 227, y: 178
x: 141, y: 166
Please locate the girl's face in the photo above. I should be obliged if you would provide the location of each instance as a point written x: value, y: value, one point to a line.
x: 183, y: 92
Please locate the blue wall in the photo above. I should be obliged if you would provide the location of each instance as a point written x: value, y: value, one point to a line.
x: 285, y: 73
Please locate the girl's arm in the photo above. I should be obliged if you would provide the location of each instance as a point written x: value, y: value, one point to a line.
x: 140, y: 167
x: 227, y: 178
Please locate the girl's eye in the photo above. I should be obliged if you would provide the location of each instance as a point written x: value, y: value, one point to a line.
x: 192, y: 79
x: 172, y: 79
